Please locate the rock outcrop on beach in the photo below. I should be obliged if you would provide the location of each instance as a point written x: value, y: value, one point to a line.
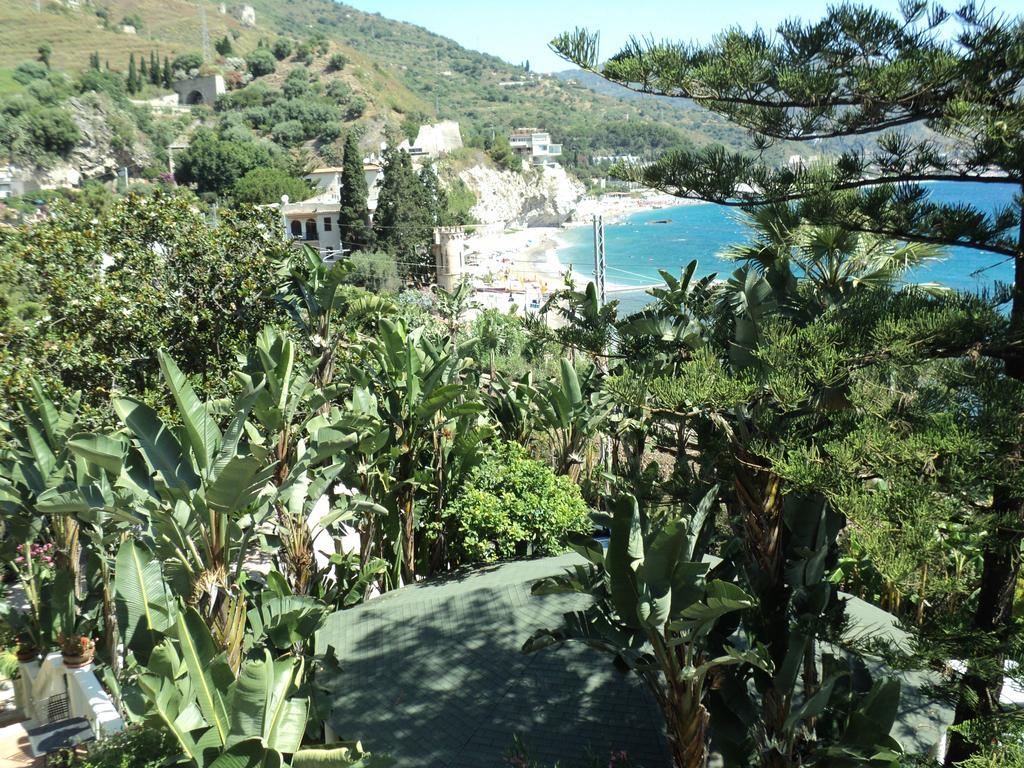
x: 537, y: 197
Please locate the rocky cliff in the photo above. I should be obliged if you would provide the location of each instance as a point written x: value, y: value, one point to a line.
x: 537, y: 197
x: 108, y: 141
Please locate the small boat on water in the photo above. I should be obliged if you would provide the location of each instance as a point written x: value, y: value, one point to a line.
x: 662, y: 221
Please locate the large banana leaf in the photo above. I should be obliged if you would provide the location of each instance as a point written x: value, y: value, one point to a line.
x: 179, y: 715
x: 145, y: 606
x: 248, y: 754
x: 238, y: 484
x: 202, y: 431
x: 199, y: 654
x: 54, y: 421
x: 159, y: 445
x: 101, y: 450
x: 286, y: 620
x: 625, y: 553
x: 260, y: 706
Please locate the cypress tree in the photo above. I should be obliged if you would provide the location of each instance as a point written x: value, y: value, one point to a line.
x: 354, y: 217
x: 133, y: 75
x: 143, y: 71
x: 154, y: 68
x: 168, y: 78
x: 434, y: 198
x: 403, y: 224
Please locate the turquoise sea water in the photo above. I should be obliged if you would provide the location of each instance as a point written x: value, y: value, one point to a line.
x: 636, y: 248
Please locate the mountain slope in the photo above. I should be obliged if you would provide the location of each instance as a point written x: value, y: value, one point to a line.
x: 406, y: 74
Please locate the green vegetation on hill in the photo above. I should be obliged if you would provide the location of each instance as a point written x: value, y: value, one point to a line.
x: 387, y: 72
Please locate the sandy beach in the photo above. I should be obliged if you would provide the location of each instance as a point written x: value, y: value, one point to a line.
x: 615, y: 207
x: 520, y: 268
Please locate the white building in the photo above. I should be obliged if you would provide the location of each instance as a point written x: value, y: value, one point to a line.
x: 627, y: 159
x: 534, y: 146
x: 6, y: 183
x: 315, y: 221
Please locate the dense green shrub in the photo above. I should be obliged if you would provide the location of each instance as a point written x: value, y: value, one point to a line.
x: 45, y: 129
x: 374, y: 270
x: 172, y: 276
x: 28, y: 71
x: 330, y: 131
x: 282, y: 48
x: 304, y: 53
x: 186, y: 62
x: 266, y: 185
x: 134, y: 747
x: 296, y: 84
x: 101, y: 81
x: 337, y: 62
x: 355, y: 109
x: 513, y: 505
x: 261, y: 62
x: 214, y: 164
x: 312, y: 112
x: 288, y: 133
x: 340, y: 90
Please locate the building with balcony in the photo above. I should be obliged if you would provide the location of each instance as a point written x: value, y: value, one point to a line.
x: 315, y: 221
x: 534, y: 146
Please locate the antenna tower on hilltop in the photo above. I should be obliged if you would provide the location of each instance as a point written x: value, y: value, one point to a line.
x: 206, y: 31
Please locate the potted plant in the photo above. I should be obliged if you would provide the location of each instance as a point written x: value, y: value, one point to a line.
x: 76, y: 649
x: 28, y: 648
x: 71, y: 620
x: 26, y: 629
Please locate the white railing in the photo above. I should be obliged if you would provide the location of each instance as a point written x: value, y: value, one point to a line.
x: 39, y: 681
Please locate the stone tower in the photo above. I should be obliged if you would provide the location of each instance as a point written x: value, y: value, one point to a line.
x: 449, y: 256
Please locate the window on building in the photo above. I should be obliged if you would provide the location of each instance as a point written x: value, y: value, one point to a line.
x: 296, y: 228
x: 327, y: 223
x: 311, y: 233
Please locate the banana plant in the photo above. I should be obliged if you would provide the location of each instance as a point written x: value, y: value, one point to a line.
x: 53, y: 472
x: 222, y: 718
x: 36, y: 462
x: 204, y: 492
x: 803, y: 707
x: 656, y: 611
x: 412, y: 388
x: 511, y: 404
x: 572, y: 413
x: 313, y: 299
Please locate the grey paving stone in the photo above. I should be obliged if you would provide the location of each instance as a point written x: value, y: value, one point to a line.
x: 434, y: 676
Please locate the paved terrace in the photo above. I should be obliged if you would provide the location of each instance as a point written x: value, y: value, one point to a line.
x: 434, y: 676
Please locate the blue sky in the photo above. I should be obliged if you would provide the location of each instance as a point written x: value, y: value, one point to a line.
x: 521, y: 29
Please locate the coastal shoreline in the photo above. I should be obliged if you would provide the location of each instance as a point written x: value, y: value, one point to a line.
x: 521, y: 267
x: 614, y: 208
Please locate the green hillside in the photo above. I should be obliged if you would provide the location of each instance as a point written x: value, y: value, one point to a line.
x: 404, y: 72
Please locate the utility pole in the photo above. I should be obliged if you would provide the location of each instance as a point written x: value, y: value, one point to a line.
x: 206, y: 31
x: 437, y: 81
x: 600, y: 270
x: 600, y: 266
